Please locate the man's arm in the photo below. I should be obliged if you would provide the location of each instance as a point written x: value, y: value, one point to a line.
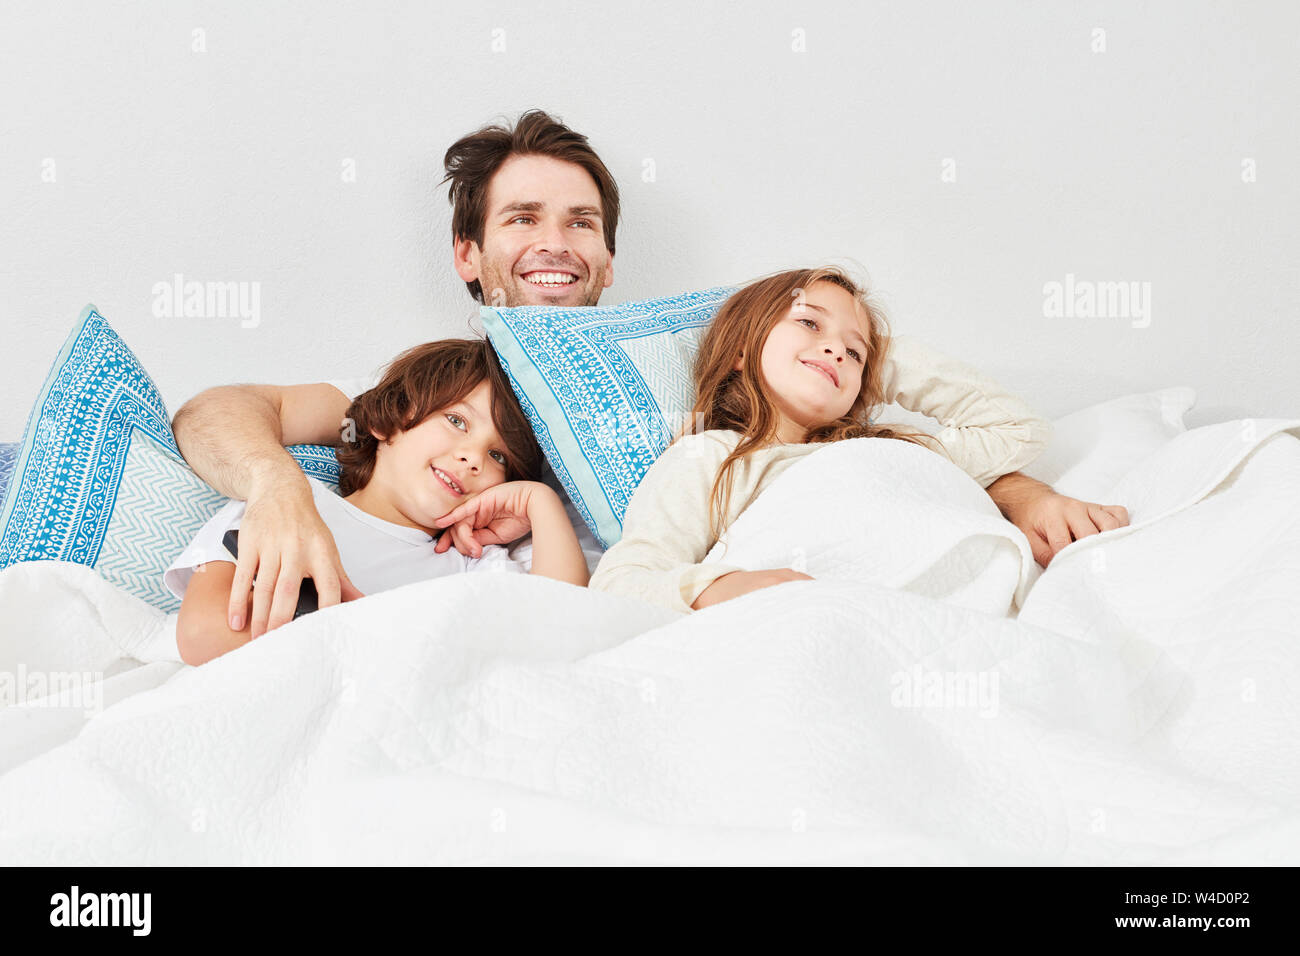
x: 1050, y: 520
x: 233, y: 437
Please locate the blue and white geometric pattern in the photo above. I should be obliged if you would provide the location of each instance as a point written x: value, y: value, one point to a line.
x: 98, y: 478
x: 319, y: 461
x: 606, y: 389
x: 160, y: 506
x: 8, y: 456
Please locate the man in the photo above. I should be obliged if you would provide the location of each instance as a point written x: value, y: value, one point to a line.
x: 534, y: 217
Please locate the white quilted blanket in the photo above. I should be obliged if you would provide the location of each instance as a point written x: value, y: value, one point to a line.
x: 890, y: 513
x: 1141, y: 708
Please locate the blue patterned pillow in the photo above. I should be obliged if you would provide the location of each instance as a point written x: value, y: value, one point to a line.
x: 605, y: 388
x: 98, y: 478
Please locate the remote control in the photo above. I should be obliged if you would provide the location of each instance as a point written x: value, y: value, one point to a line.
x: 308, y: 599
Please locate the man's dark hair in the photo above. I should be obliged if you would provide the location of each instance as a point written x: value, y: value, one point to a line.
x: 473, y: 160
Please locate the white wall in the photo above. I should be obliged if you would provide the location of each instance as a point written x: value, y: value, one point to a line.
x: 226, y: 165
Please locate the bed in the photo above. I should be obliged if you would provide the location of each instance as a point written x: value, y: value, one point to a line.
x: 1134, y: 703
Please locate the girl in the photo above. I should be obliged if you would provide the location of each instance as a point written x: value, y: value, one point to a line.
x: 792, y: 361
x: 441, y: 429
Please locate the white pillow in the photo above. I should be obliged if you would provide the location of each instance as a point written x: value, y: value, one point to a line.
x: 1093, y: 448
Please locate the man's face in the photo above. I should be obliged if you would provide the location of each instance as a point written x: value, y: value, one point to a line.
x: 544, y: 237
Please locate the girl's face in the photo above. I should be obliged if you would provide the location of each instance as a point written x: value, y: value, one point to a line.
x: 813, y: 359
x: 439, y: 464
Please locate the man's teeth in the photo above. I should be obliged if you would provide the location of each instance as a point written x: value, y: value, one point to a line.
x: 449, y: 480
x: 551, y: 278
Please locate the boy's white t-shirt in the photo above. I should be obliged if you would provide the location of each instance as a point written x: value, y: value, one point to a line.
x: 376, y: 554
x: 352, y: 387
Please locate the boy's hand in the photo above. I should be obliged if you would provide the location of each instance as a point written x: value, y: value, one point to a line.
x: 496, y: 515
x: 737, y: 583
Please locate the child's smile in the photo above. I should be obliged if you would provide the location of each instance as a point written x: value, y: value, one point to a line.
x: 449, y: 481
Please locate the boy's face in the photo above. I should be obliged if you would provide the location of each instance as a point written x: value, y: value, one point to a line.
x: 814, y: 357
x: 442, y: 462
x: 543, y: 237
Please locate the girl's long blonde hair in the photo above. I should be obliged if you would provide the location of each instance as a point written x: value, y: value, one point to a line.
x: 741, y: 400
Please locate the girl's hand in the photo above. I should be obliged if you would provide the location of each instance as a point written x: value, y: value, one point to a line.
x: 496, y: 515
x: 737, y: 583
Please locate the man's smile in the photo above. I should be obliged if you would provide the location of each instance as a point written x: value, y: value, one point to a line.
x: 550, y: 279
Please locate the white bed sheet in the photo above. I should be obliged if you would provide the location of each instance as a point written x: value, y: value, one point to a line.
x: 1143, y: 710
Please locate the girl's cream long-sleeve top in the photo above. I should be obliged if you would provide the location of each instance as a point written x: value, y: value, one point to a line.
x: 988, y: 432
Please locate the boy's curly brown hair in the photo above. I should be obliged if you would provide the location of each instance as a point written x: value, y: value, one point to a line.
x: 422, y: 381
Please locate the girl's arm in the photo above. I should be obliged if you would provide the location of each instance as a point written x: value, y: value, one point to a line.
x: 202, y: 631
x: 739, y: 583
x: 666, y: 530
x: 989, y: 431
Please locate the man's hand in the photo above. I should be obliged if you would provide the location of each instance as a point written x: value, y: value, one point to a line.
x: 1053, y: 521
x: 1050, y: 520
x: 734, y: 584
x: 496, y: 515
x: 233, y: 438
x: 282, y: 539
